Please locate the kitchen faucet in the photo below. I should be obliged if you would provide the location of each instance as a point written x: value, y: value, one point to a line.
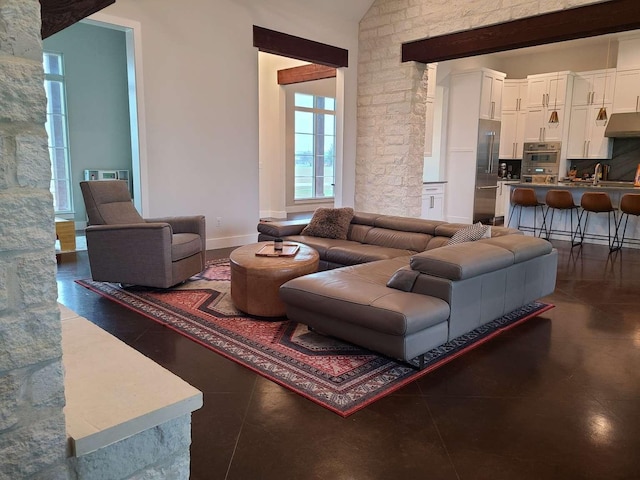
x: 596, y: 173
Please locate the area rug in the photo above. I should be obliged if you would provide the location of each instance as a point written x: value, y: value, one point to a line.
x: 337, y: 375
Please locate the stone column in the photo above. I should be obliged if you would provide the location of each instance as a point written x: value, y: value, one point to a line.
x: 32, y: 426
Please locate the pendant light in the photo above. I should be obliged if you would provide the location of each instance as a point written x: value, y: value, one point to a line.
x: 554, y: 121
x: 601, y: 118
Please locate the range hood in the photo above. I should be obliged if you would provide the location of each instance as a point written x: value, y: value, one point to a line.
x: 623, y: 125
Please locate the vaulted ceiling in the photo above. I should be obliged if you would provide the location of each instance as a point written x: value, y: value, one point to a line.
x: 59, y: 14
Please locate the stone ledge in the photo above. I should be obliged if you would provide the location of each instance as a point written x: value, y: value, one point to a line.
x: 113, y: 391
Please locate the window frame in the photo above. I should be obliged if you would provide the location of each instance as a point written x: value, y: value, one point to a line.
x: 291, y: 151
x: 53, y: 134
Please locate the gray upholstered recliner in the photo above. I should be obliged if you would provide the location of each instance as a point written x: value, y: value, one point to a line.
x: 125, y: 248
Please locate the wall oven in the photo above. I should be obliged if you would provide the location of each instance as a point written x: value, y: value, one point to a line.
x: 541, y: 160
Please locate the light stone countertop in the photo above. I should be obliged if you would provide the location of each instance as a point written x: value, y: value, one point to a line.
x: 113, y: 391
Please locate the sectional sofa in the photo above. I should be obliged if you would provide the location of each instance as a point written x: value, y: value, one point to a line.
x: 396, y: 286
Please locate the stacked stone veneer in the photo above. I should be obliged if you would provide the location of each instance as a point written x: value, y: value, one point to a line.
x: 391, y: 94
x: 160, y: 453
x: 32, y: 426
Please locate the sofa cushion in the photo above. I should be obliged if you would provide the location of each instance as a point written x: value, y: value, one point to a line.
x: 464, y: 260
x: 329, y: 223
x: 184, y: 245
x: 354, y: 254
x: 470, y: 234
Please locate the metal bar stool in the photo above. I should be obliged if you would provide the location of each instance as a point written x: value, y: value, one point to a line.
x: 526, y: 198
x: 629, y: 205
x: 560, y: 200
x: 598, y: 202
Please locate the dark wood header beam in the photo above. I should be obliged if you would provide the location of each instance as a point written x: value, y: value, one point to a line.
x: 59, y: 14
x: 270, y: 41
x: 305, y: 73
x: 570, y: 24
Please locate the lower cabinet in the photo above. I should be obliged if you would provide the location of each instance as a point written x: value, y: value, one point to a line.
x: 433, y: 201
x: 501, y: 197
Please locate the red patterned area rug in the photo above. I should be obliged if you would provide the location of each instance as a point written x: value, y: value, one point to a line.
x: 337, y: 375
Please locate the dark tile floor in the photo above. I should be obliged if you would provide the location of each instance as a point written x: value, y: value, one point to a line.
x: 556, y: 398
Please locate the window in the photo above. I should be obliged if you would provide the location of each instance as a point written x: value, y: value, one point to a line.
x: 57, y: 129
x: 314, y: 149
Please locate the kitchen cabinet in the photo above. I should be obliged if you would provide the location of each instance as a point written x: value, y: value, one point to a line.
x: 537, y: 125
x: 586, y: 139
x: 594, y: 87
x: 502, y: 195
x: 545, y: 93
x: 548, y: 89
x: 626, y: 96
x: 491, y: 94
x: 514, y: 116
x: 433, y: 201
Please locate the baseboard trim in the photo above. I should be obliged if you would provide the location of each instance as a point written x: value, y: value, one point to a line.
x: 235, y: 241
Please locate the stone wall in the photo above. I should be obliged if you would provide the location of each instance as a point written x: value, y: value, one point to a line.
x: 389, y: 158
x: 32, y: 426
x: 159, y: 453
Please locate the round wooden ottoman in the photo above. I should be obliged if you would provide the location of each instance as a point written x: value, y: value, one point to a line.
x: 255, y: 280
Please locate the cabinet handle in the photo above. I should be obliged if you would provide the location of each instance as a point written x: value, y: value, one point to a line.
x: 547, y: 100
x: 513, y: 153
x: 584, y: 149
x: 637, y: 100
x: 588, y: 142
x: 543, y: 96
x: 517, y: 104
x: 493, y: 109
x: 432, y: 201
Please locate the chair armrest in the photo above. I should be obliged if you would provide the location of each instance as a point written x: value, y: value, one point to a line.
x: 183, y: 224
x: 131, y: 239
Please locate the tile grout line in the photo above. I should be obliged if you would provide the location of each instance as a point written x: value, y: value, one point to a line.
x: 244, y: 418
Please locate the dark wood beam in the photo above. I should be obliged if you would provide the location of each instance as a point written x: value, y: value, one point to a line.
x: 59, y: 14
x: 587, y: 21
x: 278, y: 43
x: 305, y: 73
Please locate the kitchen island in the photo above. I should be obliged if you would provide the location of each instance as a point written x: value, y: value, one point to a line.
x: 597, y: 228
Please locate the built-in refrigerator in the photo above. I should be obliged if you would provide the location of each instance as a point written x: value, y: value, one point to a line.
x: 487, y: 164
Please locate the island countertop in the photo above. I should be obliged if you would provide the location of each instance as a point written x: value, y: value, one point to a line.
x: 602, y: 185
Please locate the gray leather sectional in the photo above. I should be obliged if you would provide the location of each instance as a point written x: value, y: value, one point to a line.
x: 402, y: 291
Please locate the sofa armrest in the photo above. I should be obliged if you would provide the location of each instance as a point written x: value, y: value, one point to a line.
x: 282, y: 228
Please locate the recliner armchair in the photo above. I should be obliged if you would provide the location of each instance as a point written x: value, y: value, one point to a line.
x: 125, y: 248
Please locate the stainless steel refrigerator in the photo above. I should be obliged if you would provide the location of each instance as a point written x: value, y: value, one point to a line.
x: 487, y: 163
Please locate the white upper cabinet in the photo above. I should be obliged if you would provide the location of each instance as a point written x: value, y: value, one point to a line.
x: 491, y: 94
x: 514, y: 116
x: 626, y: 97
x: 537, y: 127
x: 514, y: 95
x: 594, y: 87
x: 586, y: 138
x: 547, y: 89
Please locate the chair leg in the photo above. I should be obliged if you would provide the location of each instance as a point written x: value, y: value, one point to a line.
x: 543, y: 226
x: 513, y: 208
x: 550, y: 226
x: 579, y: 230
x: 614, y: 244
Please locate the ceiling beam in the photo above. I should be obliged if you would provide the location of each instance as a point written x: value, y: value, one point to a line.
x: 278, y: 43
x: 587, y: 21
x: 305, y: 73
x: 59, y: 14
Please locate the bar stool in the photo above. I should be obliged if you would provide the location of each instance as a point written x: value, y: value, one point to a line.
x: 526, y: 198
x: 629, y: 205
x: 560, y: 200
x: 598, y: 202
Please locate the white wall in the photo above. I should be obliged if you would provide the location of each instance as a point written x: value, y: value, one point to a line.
x: 201, y: 104
x: 97, y: 101
x: 272, y: 135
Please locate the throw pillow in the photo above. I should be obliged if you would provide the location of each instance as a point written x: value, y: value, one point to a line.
x: 469, y: 234
x: 329, y: 223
